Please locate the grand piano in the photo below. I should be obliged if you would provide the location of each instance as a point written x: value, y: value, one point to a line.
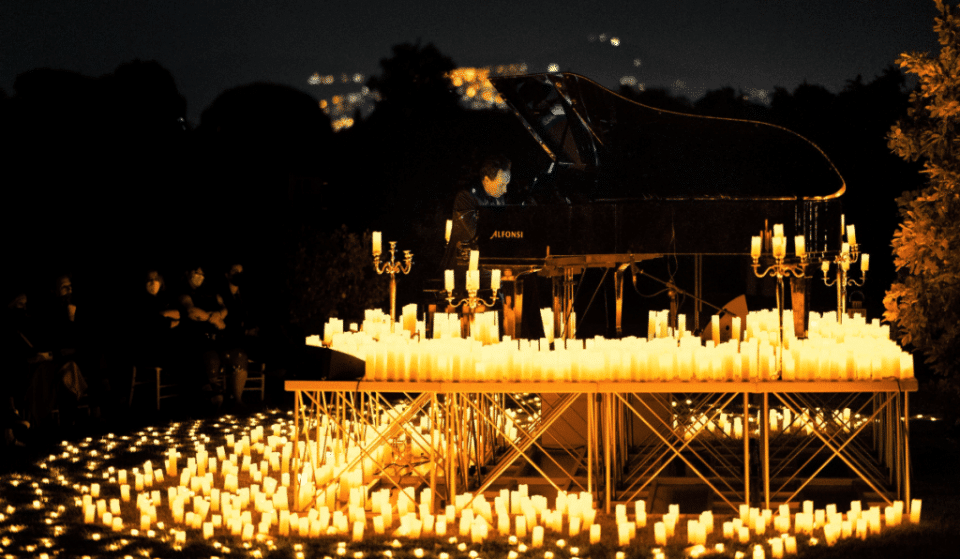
x: 625, y: 182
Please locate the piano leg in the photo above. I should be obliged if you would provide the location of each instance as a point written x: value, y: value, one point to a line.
x: 618, y: 290
x: 800, y: 304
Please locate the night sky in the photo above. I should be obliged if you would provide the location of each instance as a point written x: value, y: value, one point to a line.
x: 688, y: 46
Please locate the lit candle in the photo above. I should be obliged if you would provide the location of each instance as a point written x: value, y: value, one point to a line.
x: 125, y: 492
x: 865, y: 262
x: 595, y: 534
x: 744, y: 534
x: 660, y: 533
x: 95, y: 489
x: 449, y: 230
x: 495, y: 279
x: 521, y: 523
x: 851, y: 235
x: 778, y: 230
x: 755, y: 247
x: 915, y: 511
x: 537, y: 538
x: 845, y: 248
x: 473, y: 280
x: 825, y: 266
x: 801, y: 245
x: 776, y: 548
x: 779, y: 247
x: 623, y: 534
x: 474, y: 259
x: 377, y: 245
x: 448, y: 280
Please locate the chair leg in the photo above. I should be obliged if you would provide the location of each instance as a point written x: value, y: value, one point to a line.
x: 133, y: 384
x: 157, y: 371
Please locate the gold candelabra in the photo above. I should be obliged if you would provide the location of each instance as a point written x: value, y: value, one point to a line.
x: 849, y: 254
x: 472, y: 300
x: 392, y: 267
x: 781, y: 268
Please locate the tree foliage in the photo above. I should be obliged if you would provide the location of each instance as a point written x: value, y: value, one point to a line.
x: 925, y: 301
x: 332, y: 275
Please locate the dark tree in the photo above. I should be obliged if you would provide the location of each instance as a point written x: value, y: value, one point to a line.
x: 414, y: 82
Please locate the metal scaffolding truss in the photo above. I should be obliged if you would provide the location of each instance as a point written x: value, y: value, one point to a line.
x: 626, y: 434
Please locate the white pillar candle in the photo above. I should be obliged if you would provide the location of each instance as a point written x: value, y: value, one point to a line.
x: 755, y: 246
x: 623, y: 534
x: 595, y: 534
x: 521, y: 524
x: 448, y: 230
x: 95, y: 490
x: 537, y: 537
x: 744, y: 534
x: 377, y: 243
x: 574, y: 526
x: 915, y: 511
x: 474, y: 260
x: 660, y: 533
x: 125, y: 492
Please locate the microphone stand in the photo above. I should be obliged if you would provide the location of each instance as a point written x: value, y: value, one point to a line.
x: 672, y: 292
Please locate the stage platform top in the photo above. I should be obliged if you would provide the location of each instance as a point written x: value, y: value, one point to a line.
x: 605, y: 387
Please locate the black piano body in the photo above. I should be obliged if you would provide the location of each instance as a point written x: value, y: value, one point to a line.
x: 625, y: 182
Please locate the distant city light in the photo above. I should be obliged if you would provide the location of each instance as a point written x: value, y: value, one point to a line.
x: 603, y: 37
x: 628, y: 80
x: 615, y: 41
x: 636, y: 62
x: 553, y: 68
x: 314, y: 79
x: 357, y: 78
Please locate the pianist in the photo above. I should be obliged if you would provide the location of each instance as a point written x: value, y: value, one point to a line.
x: 487, y: 190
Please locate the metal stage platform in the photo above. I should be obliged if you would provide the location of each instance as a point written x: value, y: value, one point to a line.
x: 614, y: 440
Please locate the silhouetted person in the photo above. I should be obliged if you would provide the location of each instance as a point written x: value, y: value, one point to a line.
x: 239, y: 335
x: 486, y: 189
x: 202, y: 314
x: 155, y: 317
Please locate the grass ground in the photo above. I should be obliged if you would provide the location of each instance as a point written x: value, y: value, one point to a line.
x: 38, y: 514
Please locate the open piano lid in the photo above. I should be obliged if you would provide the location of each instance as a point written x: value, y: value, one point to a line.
x: 640, y: 152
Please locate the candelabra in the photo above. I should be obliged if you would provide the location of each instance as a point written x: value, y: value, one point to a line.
x: 391, y: 267
x: 849, y: 254
x: 781, y: 268
x: 472, y: 300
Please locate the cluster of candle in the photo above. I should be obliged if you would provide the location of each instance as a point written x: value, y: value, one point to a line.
x: 854, y: 350
x: 178, y: 501
x: 568, y: 327
x: 777, y: 244
x: 473, y: 275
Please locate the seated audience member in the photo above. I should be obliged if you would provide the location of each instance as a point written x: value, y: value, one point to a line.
x: 42, y: 374
x: 239, y: 336
x: 202, y: 314
x: 61, y: 334
x: 156, y: 316
x: 16, y: 359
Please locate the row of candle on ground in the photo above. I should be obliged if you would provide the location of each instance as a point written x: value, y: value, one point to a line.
x: 780, y: 421
x: 395, y: 358
x: 522, y: 516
